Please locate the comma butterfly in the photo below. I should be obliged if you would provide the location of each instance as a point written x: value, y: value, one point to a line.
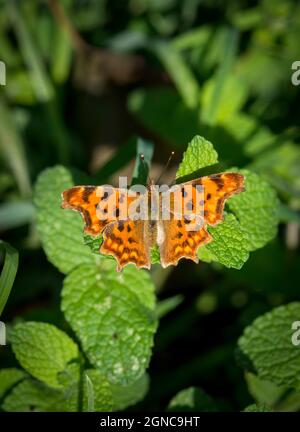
x: 129, y: 239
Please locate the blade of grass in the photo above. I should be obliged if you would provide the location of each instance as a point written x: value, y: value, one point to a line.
x: 40, y: 81
x: 230, y: 47
x: 9, y: 271
x: 12, y: 148
x: 179, y: 71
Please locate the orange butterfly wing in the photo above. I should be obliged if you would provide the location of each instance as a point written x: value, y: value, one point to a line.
x: 126, y: 240
x: 180, y: 242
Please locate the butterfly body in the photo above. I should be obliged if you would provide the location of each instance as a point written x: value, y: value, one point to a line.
x: 168, y: 223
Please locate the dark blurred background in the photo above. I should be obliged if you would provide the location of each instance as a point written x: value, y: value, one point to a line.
x: 84, y: 79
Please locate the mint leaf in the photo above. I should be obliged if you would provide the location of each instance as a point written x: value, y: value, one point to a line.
x: 192, y: 399
x: 60, y: 230
x: 200, y: 153
x: 155, y: 255
x: 267, y: 342
x: 8, y: 378
x: 97, y: 393
x: 257, y: 408
x: 115, y: 328
x: 42, y: 350
x: 138, y: 282
x: 229, y: 246
x: 125, y: 396
x: 30, y: 395
x: 69, y: 379
x: 256, y: 209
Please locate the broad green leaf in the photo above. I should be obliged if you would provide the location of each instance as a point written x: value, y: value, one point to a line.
x: 31, y: 395
x: 152, y: 105
x: 8, y: 378
x: 200, y: 153
x: 97, y: 393
x: 70, y: 383
x: 123, y: 155
x: 138, y: 282
x: 256, y: 209
x: 192, y: 399
x: 115, y: 328
x: 268, y: 344
x: 125, y: 396
x: 42, y: 350
x: 15, y: 214
x: 60, y: 230
x: 257, y: 408
x: 229, y: 246
x: 8, y: 272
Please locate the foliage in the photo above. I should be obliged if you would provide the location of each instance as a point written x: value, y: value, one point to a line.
x: 210, y: 81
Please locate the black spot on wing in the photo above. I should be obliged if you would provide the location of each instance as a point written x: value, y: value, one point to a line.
x: 121, y: 226
x: 218, y: 181
x: 88, y: 190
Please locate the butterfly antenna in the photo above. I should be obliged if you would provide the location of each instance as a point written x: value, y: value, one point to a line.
x: 142, y: 156
x: 165, y: 167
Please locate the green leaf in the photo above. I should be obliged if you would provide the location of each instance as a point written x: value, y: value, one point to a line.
x: 123, y: 155
x: 125, y: 396
x: 155, y: 255
x: 97, y: 393
x: 192, y: 399
x: 142, y: 167
x: 107, y: 311
x: 8, y: 273
x: 8, y: 378
x: 267, y: 342
x: 232, y: 98
x: 69, y: 379
x: 257, y: 408
x: 211, y: 109
x: 200, y: 153
x: 13, y: 149
x: 30, y: 395
x: 139, y: 282
x: 264, y: 392
x: 179, y: 71
x: 42, y: 350
x: 60, y: 230
x: 15, y: 214
x: 169, y: 304
x: 229, y: 246
x: 256, y: 209
x: 154, y: 104
x: 40, y: 81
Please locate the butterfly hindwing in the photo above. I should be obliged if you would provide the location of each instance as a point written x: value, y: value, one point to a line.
x: 129, y: 242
